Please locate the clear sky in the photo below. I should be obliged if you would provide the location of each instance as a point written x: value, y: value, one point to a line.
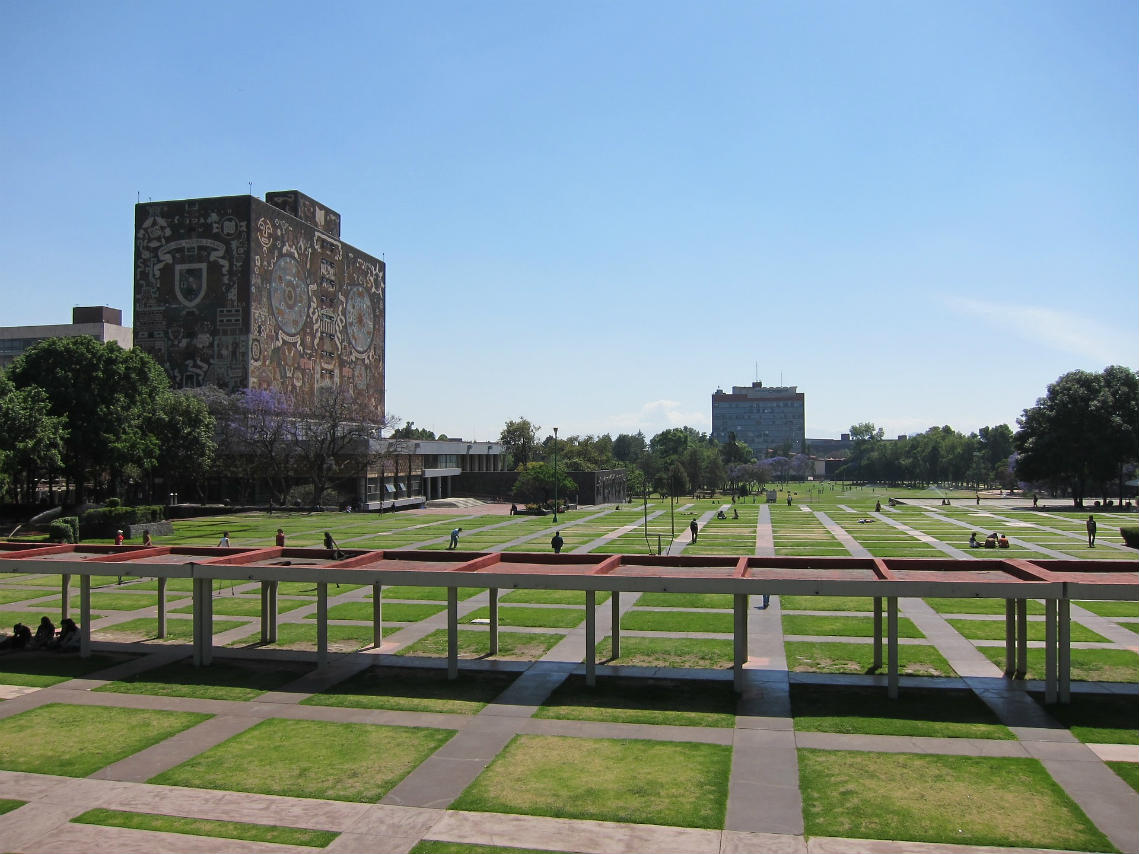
x: 596, y: 213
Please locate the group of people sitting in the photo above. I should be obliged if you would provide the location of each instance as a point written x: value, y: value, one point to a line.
x: 46, y: 637
x: 993, y: 541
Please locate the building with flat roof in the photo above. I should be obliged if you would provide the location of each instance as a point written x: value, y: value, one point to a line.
x: 767, y: 420
x: 97, y: 321
x: 241, y: 293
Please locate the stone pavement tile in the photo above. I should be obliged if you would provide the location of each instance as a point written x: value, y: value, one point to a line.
x: 1103, y: 795
x: 21, y: 827
x: 24, y: 786
x: 763, y: 808
x: 388, y: 820
x: 911, y: 744
x: 1116, y: 752
x: 742, y: 842
x: 761, y: 740
x: 772, y: 767
x: 357, y: 843
x: 435, y: 783
x: 605, y: 729
x: 174, y: 750
x: 526, y: 693
x: 1069, y: 752
x: 761, y: 722
x: 836, y: 845
x: 1055, y: 734
x: 94, y: 839
x: 11, y: 692
x: 560, y: 834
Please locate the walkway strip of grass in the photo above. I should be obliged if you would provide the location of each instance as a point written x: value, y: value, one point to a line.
x: 208, y: 827
x: 1088, y: 665
x: 7, y: 805
x: 827, y: 657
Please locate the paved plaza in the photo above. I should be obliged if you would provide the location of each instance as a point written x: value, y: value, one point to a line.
x: 764, y: 810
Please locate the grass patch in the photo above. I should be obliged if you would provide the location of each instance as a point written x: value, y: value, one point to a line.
x: 851, y: 627
x: 395, y: 612
x: 1088, y: 665
x: 222, y: 680
x: 941, y: 713
x: 687, y: 600
x: 829, y: 603
x: 108, y: 735
x: 1098, y: 718
x: 41, y: 669
x: 519, y: 615
x: 710, y: 653
x: 7, y: 805
x: 232, y: 606
x: 1111, y: 609
x: 146, y: 628
x: 995, y: 630
x: 7, y: 597
x: 310, y: 759
x: 303, y: 636
x: 978, y: 606
x: 552, y: 597
x: 1129, y: 771
x: 823, y: 657
x: 415, y: 690
x: 968, y: 800
x: 685, y: 702
x: 645, y: 782
x: 208, y: 827
x: 429, y: 593
x: 515, y: 646
x: 677, y: 621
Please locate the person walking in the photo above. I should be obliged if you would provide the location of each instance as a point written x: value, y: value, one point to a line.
x: 332, y: 546
x: 694, y: 528
x: 557, y: 542
x: 455, y: 538
x: 1091, y: 526
x: 223, y: 543
x: 280, y: 541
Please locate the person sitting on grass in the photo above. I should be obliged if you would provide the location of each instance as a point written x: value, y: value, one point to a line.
x: 974, y: 543
x: 1002, y: 542
x: 45, y: 634
x: 991, y: 541
x: 20, y: 638
x: 68, y: 636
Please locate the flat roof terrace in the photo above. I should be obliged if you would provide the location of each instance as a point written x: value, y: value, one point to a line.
x: 1056, y: 582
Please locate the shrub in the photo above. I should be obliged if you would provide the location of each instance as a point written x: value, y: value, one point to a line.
x: 1130, y: 534
x: 72, y: 523
x: 112, y: 502
x: 104, y: 521
x: 60, y: 532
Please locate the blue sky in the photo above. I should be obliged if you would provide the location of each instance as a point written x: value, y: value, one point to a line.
x: 595, y: 214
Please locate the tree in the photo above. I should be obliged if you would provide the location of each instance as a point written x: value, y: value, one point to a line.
x: 629, y: 448
x: 536, y: 483
x: 520, y: 439
x: 1082, y: 432
x: 264, y: 431
x: 410, y: 431
x: 185, y: 430
x: 31, y: 439
x: 333, y: 436
x: 107, y: 397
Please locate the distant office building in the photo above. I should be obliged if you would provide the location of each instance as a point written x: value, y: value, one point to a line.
x: 835, y: 448
x: 764, y: 419
x: 97, y: 321
x: 248, y: 294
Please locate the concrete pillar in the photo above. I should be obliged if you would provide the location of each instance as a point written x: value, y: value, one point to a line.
x: 494, y: 621
x: 739, y: 639
x: 1065, y: 644
x: 265, y: 611
x: 452, y: 633
x: 162, y: 582
x: 877, y: 633
x: 203, y: 590
x: 1021, y: 638
x: 591, y: 637
x: 274, y: 586
x: 377, y: 615
x: 321, y: 623
x: 1049, y: 650
x: 1010, y: 637
x: 892, y: 647
x: 84, y: 616
x: 615, y: 635
x: 65, y: 590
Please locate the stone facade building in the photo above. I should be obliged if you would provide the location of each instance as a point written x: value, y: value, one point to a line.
x: 248, y: 294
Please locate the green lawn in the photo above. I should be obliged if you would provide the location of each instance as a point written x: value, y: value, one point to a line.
x: 108, y: 735
x: 1128, y: 771
x: 995, y: 630
x: 686, y: 600
x: 828, y: 603
x: 41, y: 669
x: 222, y: 680
x: 7, y: 805
x: 552, y: 597
x: 208, y: 827
x: 1111, y: 609
x: 979, y: 606
x: 677, y: 621
x: 684, y: 702
x: 966, y: 800
x: 935, y: 712
x: 669, y: 652
x: 1098, y: 718
x: 520, y: 615
x: 310, y: 759
x: 428, y: 593
x: 524, y: 646
x: 1088, y: 665
x: 824, y: 657
x: 416, y: 690
x: 644, y: 782
x: 851, y: 627
x: 394, y: 612
x: 303, y: 636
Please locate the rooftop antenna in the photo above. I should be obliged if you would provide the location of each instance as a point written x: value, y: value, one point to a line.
x: 757, y: 371
x: 251, y: 188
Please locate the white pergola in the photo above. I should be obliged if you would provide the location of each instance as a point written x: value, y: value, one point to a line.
x: 1056, y: 582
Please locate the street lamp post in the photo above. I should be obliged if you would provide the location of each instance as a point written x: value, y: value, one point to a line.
x: 555, y: 475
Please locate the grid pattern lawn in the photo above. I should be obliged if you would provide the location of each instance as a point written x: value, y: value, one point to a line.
x: 796, y: 532
x: 707, y: 653
x: 395, y: 612
x: 222, y: 680
x: 967, y: 800
x: 475, y: 643
x: 995, y: 630
x: 1096, y: 718
x: 178, y: 629
x: 415, y: 690
x: 644, y: 782
x: 553, y: 617
x: 843, y: 626
x: 108, y: 735
x: 207, y: 827
x: 979, y: 606
x: 302, y: 636
x: 825, y: 657
x: 430, y: 594
x: 1088, y: 665
x: 677, y: 621
x: 310, y: 759
x: 676, y: 702
x: 552, y: 597
x: 864, y: 604
x: 41, y: 669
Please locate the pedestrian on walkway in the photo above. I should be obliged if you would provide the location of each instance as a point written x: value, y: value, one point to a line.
x: 1091, y: 532
x: 557, y: 542
x: 455, y: 539
x: 332, y: 546
x: 694, y: 528
x: 280, y: 541
x: 223, y: 543
x: 788, y: 499
x: 766, y: 601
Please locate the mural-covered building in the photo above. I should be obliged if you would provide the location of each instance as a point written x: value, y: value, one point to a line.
x: 241, y: 293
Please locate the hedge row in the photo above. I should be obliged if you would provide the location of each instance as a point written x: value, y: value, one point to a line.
x: 104, y: 521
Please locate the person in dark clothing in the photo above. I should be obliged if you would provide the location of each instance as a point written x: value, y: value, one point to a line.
x: 45, y: 634
x: 694, y: 528
x: 557, y: 542
x: 20, y: 638
x: 1091, y: 526
x: 331, y: 545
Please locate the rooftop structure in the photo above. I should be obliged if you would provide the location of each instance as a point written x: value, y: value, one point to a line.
x: 768, y: 420
x: 97, y: 321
